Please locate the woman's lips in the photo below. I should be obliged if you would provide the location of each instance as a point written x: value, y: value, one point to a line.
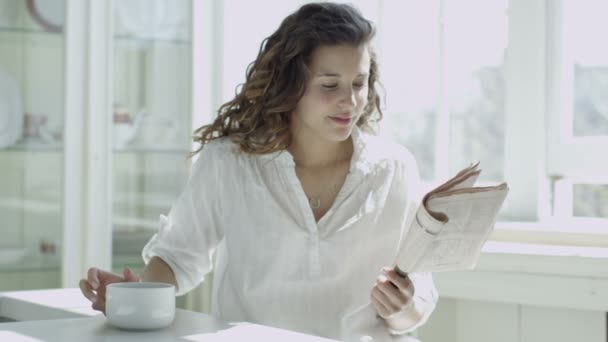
x: 344, y: 121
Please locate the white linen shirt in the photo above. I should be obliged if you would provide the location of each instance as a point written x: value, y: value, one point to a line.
x: 275, y: 265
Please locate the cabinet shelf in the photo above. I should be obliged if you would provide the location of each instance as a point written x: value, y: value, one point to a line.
x: 28, y: 30
x: 58, y: 148
x: 119, y: 38
x: 33, y: 147
x: 136, y: 149
x: 53, y: 205
x: 145, y: 41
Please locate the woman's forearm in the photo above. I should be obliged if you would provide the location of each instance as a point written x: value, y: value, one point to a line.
x: 158, y: 271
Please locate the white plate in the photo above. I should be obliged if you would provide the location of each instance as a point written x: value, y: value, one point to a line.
x: 50, y: 14
x: 9, y: 256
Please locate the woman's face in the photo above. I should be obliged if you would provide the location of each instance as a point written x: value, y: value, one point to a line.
x: 335, y: 95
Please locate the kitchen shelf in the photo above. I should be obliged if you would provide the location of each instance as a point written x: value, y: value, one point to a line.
x: 52, y: 262
x: 27, y: 30
x: 172, y: 150
x: 34, y: 147
x: 145, y: 41
x: 38, y: 147
x: 34, y: 262
x: 128, y: 39
x: 35, y: 206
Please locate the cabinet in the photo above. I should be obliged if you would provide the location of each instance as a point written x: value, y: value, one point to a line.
x: 32, y: 95
x: 96, y: 113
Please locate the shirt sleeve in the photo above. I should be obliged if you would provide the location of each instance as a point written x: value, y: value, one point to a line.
x: 425, y: 292
x: 364, y: 324
x: 188, y: 236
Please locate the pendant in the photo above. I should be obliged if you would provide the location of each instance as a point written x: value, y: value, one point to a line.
x: 315, y: 202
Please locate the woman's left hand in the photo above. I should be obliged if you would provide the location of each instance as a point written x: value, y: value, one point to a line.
x: 392, y: 294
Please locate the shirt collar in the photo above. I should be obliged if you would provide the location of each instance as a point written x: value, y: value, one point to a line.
x: 359, y: 163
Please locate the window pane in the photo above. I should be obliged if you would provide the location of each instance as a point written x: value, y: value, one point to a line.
x: 241, y: 46
x: 408, y: 44
x: 591, y: 200
x: 591, y: 102
x: 476, y: 37
x: 584, y: 26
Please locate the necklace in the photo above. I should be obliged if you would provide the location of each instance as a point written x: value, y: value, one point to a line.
x: 315, y: 201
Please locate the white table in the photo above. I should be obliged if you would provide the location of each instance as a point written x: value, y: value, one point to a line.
x: 64, y: 315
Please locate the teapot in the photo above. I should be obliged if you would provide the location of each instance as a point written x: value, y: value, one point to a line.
x: 157, y: 132
x: 125, y: 126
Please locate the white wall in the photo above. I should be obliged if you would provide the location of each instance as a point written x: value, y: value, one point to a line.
x: 461, y: 320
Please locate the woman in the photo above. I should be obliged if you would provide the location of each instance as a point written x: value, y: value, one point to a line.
x: 300, y: 204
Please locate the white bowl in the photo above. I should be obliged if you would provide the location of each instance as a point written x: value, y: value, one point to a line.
x: 11, y: 256
x: 140, y: 306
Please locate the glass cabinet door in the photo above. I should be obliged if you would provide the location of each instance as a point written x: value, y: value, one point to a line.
x: 151, y: 119
x: 31, y: 150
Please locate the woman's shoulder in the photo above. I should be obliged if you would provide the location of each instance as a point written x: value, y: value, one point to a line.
x: 215, y: 154
x: 222, y: 148
x: 384, y: 153
x: 380, y: 150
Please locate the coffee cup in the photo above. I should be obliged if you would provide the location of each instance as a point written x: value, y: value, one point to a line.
x: 140, y: 306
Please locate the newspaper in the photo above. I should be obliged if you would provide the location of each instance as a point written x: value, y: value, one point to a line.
x: 451, y: 225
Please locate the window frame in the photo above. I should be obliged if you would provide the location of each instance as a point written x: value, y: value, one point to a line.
x: 544, y: 199
x: 534, y: 138
x: 570, y: 159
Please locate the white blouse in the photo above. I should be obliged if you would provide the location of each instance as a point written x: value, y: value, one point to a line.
x: 275, y: 265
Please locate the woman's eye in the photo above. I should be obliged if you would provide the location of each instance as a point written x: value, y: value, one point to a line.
x: 330, y: 86
x: 334, y: 86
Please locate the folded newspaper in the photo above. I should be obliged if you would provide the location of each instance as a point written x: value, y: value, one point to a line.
x: 451, y: 225
x: 447, y: 234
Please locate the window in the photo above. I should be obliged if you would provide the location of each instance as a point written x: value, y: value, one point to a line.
x: 578, y: 113
x: 443, y: 71
x: 409, y: 57
x: 243, y: 33
x: 521, y: 86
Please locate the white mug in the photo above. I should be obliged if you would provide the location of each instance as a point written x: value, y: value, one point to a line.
x: 140, y: 306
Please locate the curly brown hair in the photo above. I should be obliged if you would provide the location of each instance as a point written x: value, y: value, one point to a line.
x: 258, y: 118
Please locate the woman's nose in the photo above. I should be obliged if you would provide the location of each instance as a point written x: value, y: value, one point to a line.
x: 348, y: 99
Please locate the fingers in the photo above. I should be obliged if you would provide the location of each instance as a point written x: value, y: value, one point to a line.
x: 383, y: 306
x: 97, y: 298
x: 93, y: 277
x: 380, y: 308
x: 393, y: 291
x: 129, y: 275
x: 100, y: 305
x: 404, y: 284
x: 94, y: 287
x: 398, y: 299
x: 87, y: 290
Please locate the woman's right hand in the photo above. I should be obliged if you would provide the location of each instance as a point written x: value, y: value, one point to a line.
x: 94, y: 287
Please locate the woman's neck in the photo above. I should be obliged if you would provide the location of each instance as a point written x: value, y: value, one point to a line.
x: 318, y: 153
